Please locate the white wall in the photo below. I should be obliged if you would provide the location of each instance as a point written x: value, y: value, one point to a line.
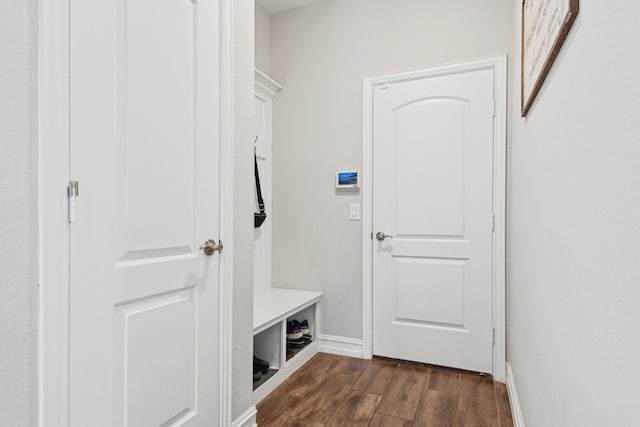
x: 244, y: 65
x: 320, y: 54
x: 18, y: 214
x: 263, y: 124
x: 263, y: 39
x: 574, y: 242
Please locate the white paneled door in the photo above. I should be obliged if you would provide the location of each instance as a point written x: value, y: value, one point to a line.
x: 144, y: 132
x: 432, y: 220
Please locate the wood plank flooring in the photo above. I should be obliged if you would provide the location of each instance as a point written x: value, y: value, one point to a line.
x: 340, y: 391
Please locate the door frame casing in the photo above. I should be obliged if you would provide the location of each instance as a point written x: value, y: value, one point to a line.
x: 53, y: 235
x: 499, y: 66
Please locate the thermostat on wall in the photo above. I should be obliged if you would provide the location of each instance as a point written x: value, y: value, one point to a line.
x: 347, y: 179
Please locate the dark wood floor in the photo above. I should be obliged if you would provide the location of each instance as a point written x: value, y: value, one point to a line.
x: 340, y: 391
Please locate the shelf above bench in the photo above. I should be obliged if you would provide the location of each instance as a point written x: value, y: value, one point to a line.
x: 272, y: 305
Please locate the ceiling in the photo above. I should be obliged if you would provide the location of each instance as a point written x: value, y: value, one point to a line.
x: 275, y: 6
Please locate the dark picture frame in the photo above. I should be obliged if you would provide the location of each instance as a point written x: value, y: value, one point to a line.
x: 545, y: 27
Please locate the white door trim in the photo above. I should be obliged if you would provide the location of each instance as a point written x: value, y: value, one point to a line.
x: 499, y: 66
x: 227, y: 138
x: 53, y: 236
x: 53, y: 177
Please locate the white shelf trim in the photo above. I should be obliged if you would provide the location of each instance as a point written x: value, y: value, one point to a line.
x: 266, y: 85
x: 273, y: 305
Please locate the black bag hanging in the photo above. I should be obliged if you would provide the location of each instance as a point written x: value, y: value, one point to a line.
x: 258, y: 217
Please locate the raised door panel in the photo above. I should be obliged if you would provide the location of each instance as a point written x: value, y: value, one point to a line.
x: 430, y: 148
x: 430, y: 292
x: 157, y: 118
x: 156, y: 360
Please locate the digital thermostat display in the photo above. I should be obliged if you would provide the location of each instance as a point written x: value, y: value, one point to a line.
x: 348, y: 179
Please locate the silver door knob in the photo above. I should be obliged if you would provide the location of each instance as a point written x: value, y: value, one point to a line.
x: 210, y: 247
x: 381, y: 236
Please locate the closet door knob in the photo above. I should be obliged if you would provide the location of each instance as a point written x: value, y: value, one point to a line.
x: 210, y: 247
x: 381, y: 236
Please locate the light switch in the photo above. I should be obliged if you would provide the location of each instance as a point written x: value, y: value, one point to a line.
x: 354, y: 212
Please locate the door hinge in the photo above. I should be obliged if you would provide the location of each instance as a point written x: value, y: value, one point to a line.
x: 72, y: 193
x: 493, y: 337
x: 493, y: 222
x: 493, y: 107
x: 371, y: 235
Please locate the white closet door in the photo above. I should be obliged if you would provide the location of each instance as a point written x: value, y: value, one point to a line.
x: 432, y: 196
x: 144, y: 344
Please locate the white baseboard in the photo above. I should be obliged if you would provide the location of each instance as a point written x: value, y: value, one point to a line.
x: 248, y: 419
x: 516, y: 411
x: 341, y: 346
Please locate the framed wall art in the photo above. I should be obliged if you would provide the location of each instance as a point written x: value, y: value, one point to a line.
x: 545, y: 27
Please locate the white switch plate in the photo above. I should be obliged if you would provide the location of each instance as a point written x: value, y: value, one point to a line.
x: 354, y: 212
